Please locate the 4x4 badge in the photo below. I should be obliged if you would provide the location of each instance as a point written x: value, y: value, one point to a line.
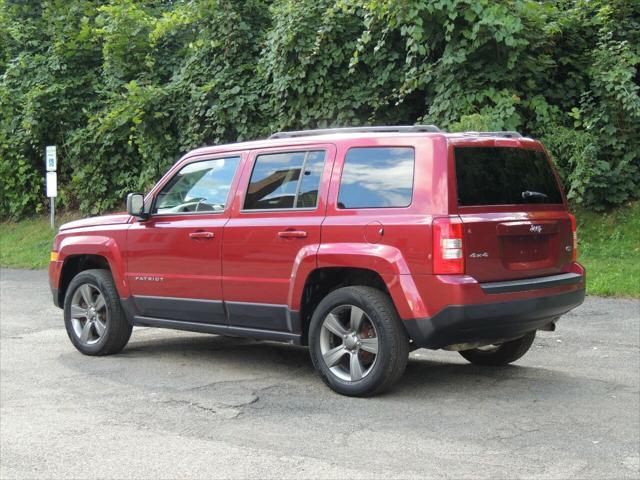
x: 536, y: 228
x: 479, y: 255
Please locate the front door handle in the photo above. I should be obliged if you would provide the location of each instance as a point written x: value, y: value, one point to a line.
x: 293, y: 234
x: 197, y: 235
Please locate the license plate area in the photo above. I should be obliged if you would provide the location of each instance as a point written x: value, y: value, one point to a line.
x: 525, y: 252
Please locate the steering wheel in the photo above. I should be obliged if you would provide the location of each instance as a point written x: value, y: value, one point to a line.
x: 202, y: 201
x: 190, y: 206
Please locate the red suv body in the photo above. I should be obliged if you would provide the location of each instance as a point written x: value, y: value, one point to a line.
x: 467, y: 237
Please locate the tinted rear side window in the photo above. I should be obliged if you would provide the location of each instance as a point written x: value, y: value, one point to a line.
x: 504, y: 176
x: 377, y: 178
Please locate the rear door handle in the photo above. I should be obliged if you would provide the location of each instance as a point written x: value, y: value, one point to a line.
x: 205, y: 235
x: 293, y: 234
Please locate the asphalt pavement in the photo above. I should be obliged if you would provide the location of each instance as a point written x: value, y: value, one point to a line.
x: 188, y: 405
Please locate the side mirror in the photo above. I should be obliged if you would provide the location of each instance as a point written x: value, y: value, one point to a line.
x: 135, y: 206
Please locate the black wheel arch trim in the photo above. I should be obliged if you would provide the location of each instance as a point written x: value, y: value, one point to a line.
x: 56, y: 297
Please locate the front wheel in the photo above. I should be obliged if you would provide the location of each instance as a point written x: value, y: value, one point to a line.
x: 500, y: 354
x: 93, y: 317
x: 357, y: 342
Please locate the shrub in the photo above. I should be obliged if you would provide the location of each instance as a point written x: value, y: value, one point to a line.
x: 125, y: 87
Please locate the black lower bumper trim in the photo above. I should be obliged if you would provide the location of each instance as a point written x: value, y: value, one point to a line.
x: 490, y: 321
x: 532, y: 283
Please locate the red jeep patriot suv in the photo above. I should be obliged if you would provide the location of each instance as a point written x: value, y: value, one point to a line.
x: 362, y: 243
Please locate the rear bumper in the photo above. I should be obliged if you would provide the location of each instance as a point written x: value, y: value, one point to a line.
x: 490, y: 321
x: 462, y: 310
x: 529, y: 284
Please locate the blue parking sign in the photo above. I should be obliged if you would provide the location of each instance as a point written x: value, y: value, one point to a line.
x: 51, y: 158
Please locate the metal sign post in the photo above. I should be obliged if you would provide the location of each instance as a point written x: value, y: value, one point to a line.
x: 51, y: 161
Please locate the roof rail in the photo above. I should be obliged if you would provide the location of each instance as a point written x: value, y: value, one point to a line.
x: 325, y: 131
x: 505, y: 134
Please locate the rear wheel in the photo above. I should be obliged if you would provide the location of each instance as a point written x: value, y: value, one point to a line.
x: 357, y: 342
x: 93, y: 317
x: 500, y: 354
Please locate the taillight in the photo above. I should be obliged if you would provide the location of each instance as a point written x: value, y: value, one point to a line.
x: 574, y: 238
x: 448, y: 250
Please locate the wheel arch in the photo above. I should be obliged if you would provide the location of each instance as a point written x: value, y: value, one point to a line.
x: 323, y: 280
x: 79, y: 253
x: 73, y: 265
x: 386, y: 266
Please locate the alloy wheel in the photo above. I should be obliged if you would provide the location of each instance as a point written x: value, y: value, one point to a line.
x: 88, y: 314
x: 349, y: 343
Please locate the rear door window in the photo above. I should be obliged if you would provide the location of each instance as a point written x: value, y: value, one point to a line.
x: 504, y: 176
x: 285, y: 180
x: 377, y: 177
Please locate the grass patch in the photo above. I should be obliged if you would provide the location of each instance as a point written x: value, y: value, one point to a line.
x: 609, y: 247
x: 27, y: 243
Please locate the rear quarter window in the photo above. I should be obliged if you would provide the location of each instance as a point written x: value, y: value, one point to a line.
x: 377, y: 177
x: 504, y: 176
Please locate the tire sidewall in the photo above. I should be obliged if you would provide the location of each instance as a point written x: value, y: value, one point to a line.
x: 77, y: 282
x: 383, y: 360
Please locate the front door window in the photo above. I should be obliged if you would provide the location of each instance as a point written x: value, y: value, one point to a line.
x: 198, y: 187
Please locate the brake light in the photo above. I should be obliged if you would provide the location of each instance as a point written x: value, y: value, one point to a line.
x: 448, y: 250
x: 574, y: 238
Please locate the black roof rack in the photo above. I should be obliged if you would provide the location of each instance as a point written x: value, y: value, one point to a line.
x: 494, y: 134
x: 325, y: 131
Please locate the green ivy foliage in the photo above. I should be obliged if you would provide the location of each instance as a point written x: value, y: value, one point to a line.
x: 124, y: 87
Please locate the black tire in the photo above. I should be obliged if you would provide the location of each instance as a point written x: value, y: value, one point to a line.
x: 392, y: 341
x: 117, y: 330
x: 503, y: 354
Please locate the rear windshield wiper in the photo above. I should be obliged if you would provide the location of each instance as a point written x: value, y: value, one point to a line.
x: 527, y: 194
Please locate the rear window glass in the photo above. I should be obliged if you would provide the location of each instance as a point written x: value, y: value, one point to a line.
x: 375, y: 177
x: 504, y: 176
x: 285, y: 180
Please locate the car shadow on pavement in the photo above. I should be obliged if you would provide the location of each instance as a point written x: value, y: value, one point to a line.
x: 220, y: 352
x: 210, y: 346
x: 432, y: 377
x: 439, y: 379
